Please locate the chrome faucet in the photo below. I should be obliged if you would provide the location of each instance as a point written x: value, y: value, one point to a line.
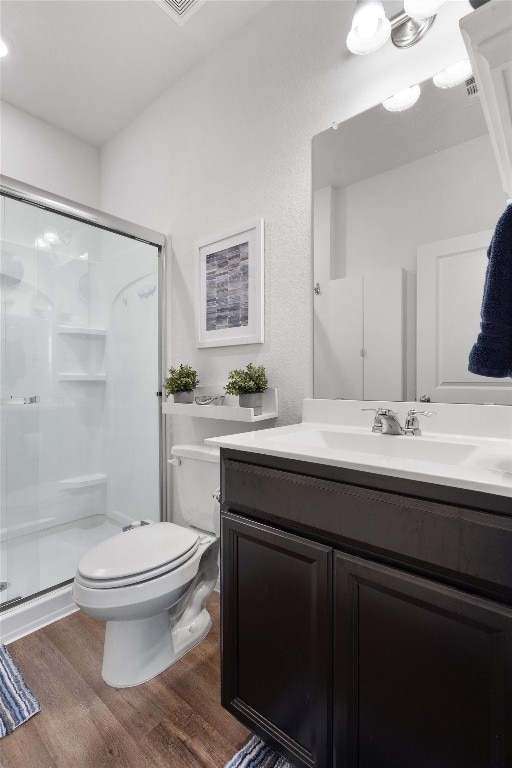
x: 386, y: 421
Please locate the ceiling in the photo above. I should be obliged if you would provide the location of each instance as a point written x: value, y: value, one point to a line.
x: 377, y: 141
x: 90, y: 66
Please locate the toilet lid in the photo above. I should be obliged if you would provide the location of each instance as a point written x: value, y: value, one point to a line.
x: 138, y: 552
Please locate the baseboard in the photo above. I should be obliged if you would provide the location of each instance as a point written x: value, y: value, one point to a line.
x: 28, y: 617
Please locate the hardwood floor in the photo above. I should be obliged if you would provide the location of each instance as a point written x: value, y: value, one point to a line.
x: 175, y: 720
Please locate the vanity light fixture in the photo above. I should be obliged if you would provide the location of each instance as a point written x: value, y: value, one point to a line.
x: 403, y: 99
x: 422, y: 9
x: 370, y: 28
x: 454, y: 75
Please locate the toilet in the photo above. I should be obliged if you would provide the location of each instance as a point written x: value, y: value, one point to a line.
x: 149, y: 583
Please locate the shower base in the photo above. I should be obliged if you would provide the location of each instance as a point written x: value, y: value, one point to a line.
x: 46, y: 559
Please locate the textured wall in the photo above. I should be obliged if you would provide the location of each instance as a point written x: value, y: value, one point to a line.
x: 231, y: 142
x: 37, y: 153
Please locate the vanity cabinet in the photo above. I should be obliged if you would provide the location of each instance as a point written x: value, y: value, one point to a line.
x: 277, y: 639
x: 364, y: 626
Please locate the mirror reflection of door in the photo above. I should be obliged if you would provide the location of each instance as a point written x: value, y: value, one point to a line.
x: 451, y: 274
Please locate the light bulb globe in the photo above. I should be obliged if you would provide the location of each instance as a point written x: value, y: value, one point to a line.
x: 370, y: 28
x: 422, y: 9
x: 454, y: 75
x: 402, y: 100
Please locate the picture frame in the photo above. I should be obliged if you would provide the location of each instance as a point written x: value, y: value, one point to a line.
x: 230, y: 287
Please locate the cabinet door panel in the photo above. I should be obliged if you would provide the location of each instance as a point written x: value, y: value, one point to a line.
x: 422, y: 673
x: 276, y: 641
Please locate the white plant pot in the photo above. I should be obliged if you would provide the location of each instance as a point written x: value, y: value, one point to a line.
x: 253, y: 400
x: 183, y: 397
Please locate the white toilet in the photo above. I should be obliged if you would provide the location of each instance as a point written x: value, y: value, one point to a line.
x: 150, y: 583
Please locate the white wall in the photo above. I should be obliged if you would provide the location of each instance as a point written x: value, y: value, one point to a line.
x: 434, y: 198
x: 39, y: 154
x: 232, y: 141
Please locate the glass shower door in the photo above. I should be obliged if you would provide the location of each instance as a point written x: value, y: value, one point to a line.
x: 79, y: 371
x: 19, y: 411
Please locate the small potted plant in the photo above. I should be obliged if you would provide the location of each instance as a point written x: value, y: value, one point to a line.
x: 181, y: 383
x: 249, y: 384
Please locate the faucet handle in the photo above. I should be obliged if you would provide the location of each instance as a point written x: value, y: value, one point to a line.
x: 377, y: 422
x: 412, y: 426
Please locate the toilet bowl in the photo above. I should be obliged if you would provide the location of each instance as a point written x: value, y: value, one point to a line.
x: 149, y: 583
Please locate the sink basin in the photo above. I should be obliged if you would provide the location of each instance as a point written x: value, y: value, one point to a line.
x: 498, y: 462
x: 395, y: 446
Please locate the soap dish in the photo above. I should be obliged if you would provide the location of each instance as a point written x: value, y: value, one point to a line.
x: 210, y: 400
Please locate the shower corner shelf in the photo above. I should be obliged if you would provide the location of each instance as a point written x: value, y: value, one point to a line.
x: 76, y: 330
x: 82, y: 377
x: 83, y: 481
x: 224, y: 412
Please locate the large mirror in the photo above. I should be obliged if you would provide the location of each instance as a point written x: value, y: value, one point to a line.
x: 404, y: 206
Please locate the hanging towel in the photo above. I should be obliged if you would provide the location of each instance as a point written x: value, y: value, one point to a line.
x: 492, y: 353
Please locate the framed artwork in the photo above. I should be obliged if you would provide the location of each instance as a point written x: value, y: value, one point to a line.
x: 230, y: 288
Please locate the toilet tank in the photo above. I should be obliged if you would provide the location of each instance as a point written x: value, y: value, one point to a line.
x: 197, y: 476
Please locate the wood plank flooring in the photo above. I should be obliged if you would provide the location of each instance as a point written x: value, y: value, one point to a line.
x: 175, y: 720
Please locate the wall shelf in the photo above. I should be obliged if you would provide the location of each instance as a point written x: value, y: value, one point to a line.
x: 83, y: 481
x: 229, y: 412
x: 81, y: 331
x: 82, y: 377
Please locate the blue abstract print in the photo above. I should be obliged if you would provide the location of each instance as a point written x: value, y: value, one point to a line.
x: 227, y: 288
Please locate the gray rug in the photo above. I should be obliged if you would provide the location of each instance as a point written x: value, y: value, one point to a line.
x: 17, y: 703
x: 256, y: 754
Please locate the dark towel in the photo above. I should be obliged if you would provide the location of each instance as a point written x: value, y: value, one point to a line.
x: 492, y: 353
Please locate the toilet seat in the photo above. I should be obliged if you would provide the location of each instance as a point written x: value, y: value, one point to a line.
x: 137, y: 555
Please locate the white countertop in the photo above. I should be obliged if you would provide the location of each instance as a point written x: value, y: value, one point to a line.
x: 470, y: 447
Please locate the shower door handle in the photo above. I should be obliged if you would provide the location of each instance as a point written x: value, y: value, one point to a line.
x: 21, y: 400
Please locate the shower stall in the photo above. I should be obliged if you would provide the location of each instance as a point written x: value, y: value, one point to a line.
x: 81, y: 440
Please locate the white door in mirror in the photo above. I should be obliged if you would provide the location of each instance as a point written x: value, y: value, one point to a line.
x: 451, y: 275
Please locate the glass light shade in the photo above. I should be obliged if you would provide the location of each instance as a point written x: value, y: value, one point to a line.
x: 4, y: 49
x: 422, y: 9
x: 403, y: 99
x: 370, y: 28
x: 454, y: 75
x: 41, y: 243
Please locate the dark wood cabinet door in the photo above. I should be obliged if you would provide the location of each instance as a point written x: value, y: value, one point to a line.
x: 422, y: 673
x: 277, y: 638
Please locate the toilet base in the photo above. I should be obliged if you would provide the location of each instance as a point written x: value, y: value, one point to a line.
x: 138, y: 650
